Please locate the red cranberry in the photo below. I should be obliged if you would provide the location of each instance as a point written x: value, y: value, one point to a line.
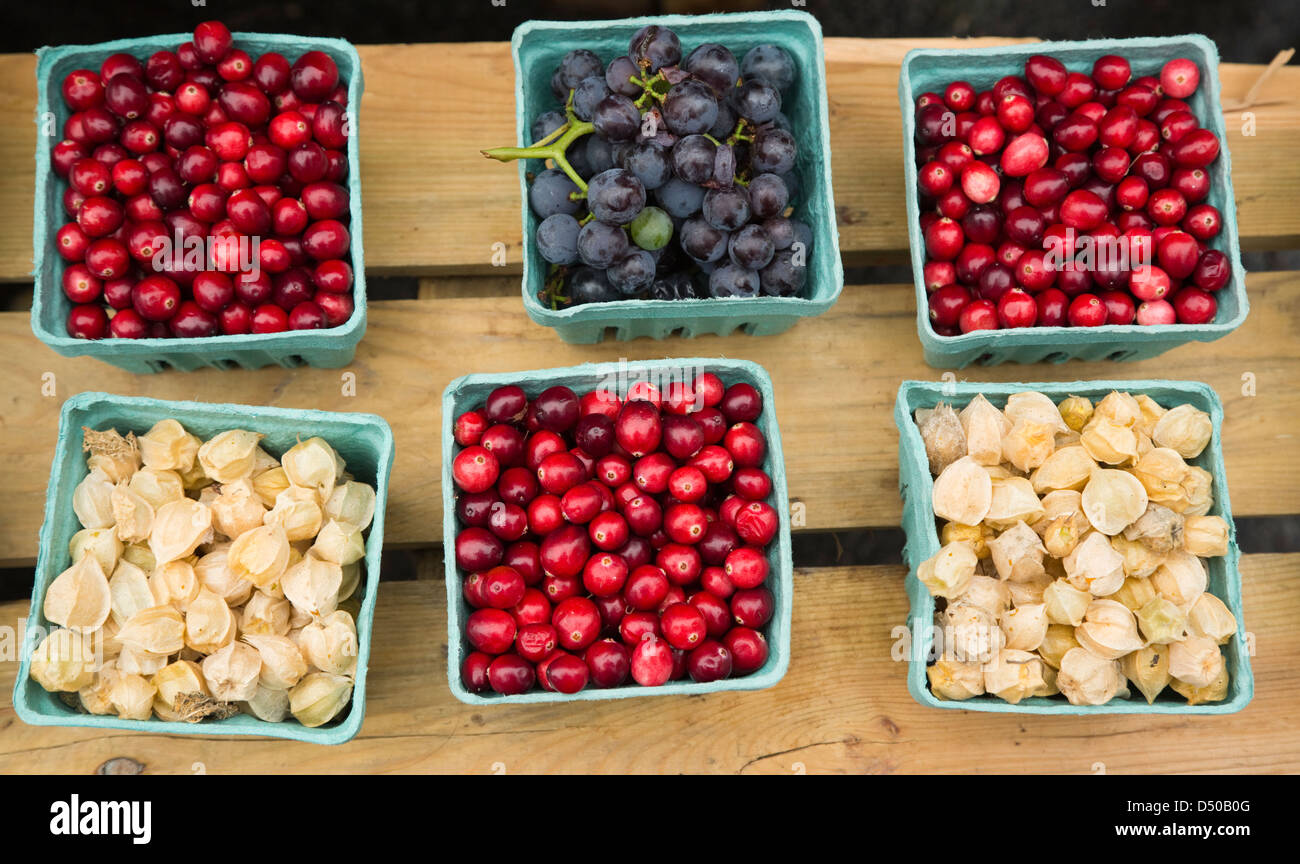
x: 748, y: 649
x: 638, y: 428
x: 1017, y: 308
x: 511, y: 675
x: 646, y: 587
x: 1119, y: 307
x: 237, y: 318
x: 1212, y: 270
x: 652, y: 663
x: 980, y: 183
x: 577, y: 623
x: 1087, y: 310
x: 1194, y: 306
x: 1178, y: 253
x: 314, y: 76
x: 1155, y: 312
x: 87, y: 321
x: 1024, y: 154
x: 474, y: 671
x: 1053, y: 305
x: 156, y: 298
x: 192, y: 322
x: 609, y: 663
x: 978, y: 315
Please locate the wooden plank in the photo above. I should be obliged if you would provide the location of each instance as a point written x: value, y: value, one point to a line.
x: 433, y: 204
x: 842, y: 708
x: 834, y: 396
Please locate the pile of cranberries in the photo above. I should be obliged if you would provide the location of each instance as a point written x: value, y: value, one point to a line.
x: 604, y: 538
x: 1059, y: 198
x: 182, y: 165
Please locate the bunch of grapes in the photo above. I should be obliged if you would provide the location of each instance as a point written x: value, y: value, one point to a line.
x: 667, y: 178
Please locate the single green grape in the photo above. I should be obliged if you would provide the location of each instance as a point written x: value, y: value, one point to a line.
x: 652, y: 229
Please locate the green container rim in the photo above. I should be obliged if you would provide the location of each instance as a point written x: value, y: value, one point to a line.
x: 51, y: 561
x: 748, y: 310
x: 1128, y: 340
x: 780, y: 578
x: 286, y: 345
x: 917, y: 485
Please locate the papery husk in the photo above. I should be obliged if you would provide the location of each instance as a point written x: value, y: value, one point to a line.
x: 282, y: 662
x: 179, y: 528
x: 1058, y: 640
x: 1086, y: 679
x: 1135, y: 593
x: 1161, y: 622
x: 157, y: 486
x: 267, y: 704
x: 1108, y: 630
x: 232, y: 672
x: 1210, y: 618
x: 230, y: 455
x: 269, y: 484
x: 1014, y: 675
x: 298, y: 511
x: 132, y: 514
x: 94, y: 697
x: 214, y: 573
x: 1113, y: 500
x: 330, y: 644
x: 117, y: 457
x: 970, y: 634
x: 963, y: 492
x: 1148, y: 670
x: 1139, y: 560
x: 1122, y: 409
x: 64, y: 661
x: 313, y: 464
x: 1185, y: 429
x: 990, y: 594
x: 264, y: 614
x: 319, y: 697
x: 1017, y: 553
x: 175, y: 583
x: 181, y: 678
x: 105, y: 640
x: 1025, y: 626
x: 955, y: 681
x: 351, y: 581
x: 134, y: 661
x: 984, y: 426
x: 129, y: 592
x: 1161, y: 472
x: 312, y: 585
x: 1063, y: 534
x: 1095, y: 567
x: 354, y: 502
x: 1197, y: 497
x: 131, y: 696
x: 974, y: 536
x: 1065, y: 604
x: 1012, y: 500
x: 168, y: 447
x: 92, y: 501
x: 1076, y: 411
x: 209, y: 623
x: 156, y: 630
x: 1158, y: 528
x: 236, y: 508
x: 140, y: 555
x: 79, y: 598
x: 1049, y: 687
x: 998, y: 472
x: 1151, y: 414
x: 1196, y: 660
x: 1205, y: 536
x: 1028, y: 592
x: 102, y: 543
x: 339, y: 542
x: 1034, y: 407
x: 1065, y: 469
x: 260, y: 556
x: 1216, y: 691
x: 1029, y: 444
x: 1181, y: 578
x: 1109, y: 443
x: 944, y: 438
x: 947, y: 573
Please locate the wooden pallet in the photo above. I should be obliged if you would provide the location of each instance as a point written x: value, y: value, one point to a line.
x: 434, y: 208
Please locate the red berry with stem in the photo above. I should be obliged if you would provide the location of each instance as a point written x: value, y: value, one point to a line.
x: 978, y: 315
x: 652, y: 663
x: 1017, y: 308
x: 87, y: 321
x: 1155, y: 312
x: 1087, y: 310
x: 1194, y: 306
x: 1179, y: 78
x: 749, y: 650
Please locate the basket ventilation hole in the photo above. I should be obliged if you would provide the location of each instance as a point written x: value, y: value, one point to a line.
x: 984, y: 360
x: 1055, y: 357
x: 1120, y: 355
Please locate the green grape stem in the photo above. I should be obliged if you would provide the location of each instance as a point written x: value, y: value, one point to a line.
x: 553, y: 147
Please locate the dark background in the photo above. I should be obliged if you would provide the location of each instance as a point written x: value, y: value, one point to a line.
x: 1252, y: 31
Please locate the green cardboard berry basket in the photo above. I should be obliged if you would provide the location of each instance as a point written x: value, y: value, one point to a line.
x: 329, y: 348
x: 363, y: 440
x: 926, y: 70
x: 469, y: 391
x: 538, y: 46
x: 919, y: 524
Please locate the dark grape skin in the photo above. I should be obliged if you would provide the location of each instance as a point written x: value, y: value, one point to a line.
x: 550, y: 193
x: 774, y: 151
x: 601, y: 244
x: 781, y: 230
x: 803, y: 235
x: 767, y: 196
x: 558, y: 90
x: 792, y: 184
x: 757, y: 101
x: 587, y: 95
x: 546, y: 123
x: 557, y: 238
x: 654, y: 47
x: 588, y: 285
x: 726, y: 209
x: 771, y: 63
x: 693, y: 159
x: 690, y: 108
x: 618, y: 75
x: 679, y: 198
x: 577, y: 65
x: 726, y: 122
x: 732, y: 281
x: 651, y: 162
x: 615, y: 196
x: 782, y: 277
x: 701, y: 241
x: 724, y: 166
x: 715, y: 65
x: 673, y: 286
x: 632, y: 273
x: 750, y: 247
x: 616, y: 118
x: 599, y: 154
